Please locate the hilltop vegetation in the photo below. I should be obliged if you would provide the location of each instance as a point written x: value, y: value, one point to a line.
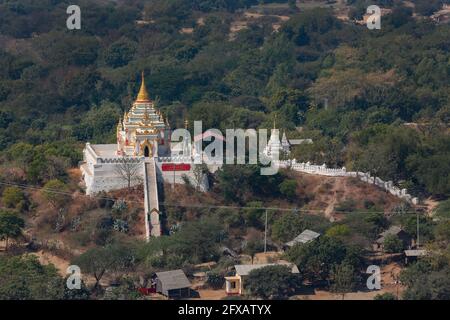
x: 371, y: 100
x: 351, y: 89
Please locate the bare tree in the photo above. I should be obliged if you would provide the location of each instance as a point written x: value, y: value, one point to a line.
x: 199, y: 172
x: 129, y: 171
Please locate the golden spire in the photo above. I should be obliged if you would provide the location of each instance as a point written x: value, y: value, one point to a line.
x: 143, y: 94
x: 186, y: 123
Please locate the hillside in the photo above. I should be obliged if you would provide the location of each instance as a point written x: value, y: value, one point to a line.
x: 372, y: 101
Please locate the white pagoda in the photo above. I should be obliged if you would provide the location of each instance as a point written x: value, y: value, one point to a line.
x: 142, y: 134
x: 275, y: 147
x: 143, y: 131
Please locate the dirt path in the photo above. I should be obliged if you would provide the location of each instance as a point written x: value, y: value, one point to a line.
x: 47, y: 258
x: 330, y: 209
x: 333, y: 200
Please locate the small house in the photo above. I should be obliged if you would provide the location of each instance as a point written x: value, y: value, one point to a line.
x: 304, y: 237
x: 173, y: 284
x: 234, y: 285
x: 413, y: 255
x: 394, y: 231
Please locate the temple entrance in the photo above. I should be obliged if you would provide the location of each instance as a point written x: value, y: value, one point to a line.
x: 146, y: 149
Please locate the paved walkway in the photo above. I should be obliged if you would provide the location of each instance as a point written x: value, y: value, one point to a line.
x: 153, y: 223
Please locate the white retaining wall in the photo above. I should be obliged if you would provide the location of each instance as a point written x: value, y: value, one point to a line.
x: 342, y: 172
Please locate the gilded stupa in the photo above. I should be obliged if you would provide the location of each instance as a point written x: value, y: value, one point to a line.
x: 143, y: 130
x: 143, y: 152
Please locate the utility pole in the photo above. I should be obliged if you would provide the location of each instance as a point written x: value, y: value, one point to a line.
x: 418, y: 238
x: 265, y: 235
x: 173, y: 184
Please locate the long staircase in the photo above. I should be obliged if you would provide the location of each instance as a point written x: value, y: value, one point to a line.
x: 151, y: 203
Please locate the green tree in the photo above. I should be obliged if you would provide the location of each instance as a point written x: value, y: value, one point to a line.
x: 344, y: 279
x: 120, y: 53
x: 54, y: 192
x: 99, y: 123
x: 22, y: 153
x: 318, y: 258
x: 339, y: 231
x: 292, y: 4
x: 288, y: 188
x: 442, y: 231
x: 215, y: 280
x: 10, y: 226
x: 253, y: 216
x: 126, y: 289
x: 252, y: 185
x: 385, y: 296
x: 13, y: 197
x: 427, y: 7
x: 443, y: 209
x: 287, y: 227
x: 100, y: 260
x: 432, y: 285
x: 197, y: 241
x: 432, y: 171
x: 366, y: 226
x: 392, y: 244
x: 192, y: 243
x: 24, y: 278
x: 272, y: 282
x: 253, y: 247
x: 290, y: 224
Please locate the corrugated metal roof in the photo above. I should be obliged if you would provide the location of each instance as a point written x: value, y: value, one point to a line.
x: 174, y: 279
x: 245, y: 269
x: 304, y: 237
x: 393, y: 230
x: 415, y: 253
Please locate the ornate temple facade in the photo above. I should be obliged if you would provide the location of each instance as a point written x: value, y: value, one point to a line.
x: 143, y: 136
x: 143, y: 132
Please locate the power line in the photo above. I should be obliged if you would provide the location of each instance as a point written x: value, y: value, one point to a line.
x: 196, y: 206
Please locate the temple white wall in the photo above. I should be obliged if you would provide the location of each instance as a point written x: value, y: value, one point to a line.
x: 104, y: 177
x: 100, y: 174
x: 342, y: 172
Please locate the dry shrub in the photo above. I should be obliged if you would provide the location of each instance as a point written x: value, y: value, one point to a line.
x: 13, y: 174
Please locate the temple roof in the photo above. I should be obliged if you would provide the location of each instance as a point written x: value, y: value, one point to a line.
x: 143, y: 94
x: 143, y: 113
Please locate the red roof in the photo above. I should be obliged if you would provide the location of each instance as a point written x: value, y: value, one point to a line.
x: 207, y: 134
